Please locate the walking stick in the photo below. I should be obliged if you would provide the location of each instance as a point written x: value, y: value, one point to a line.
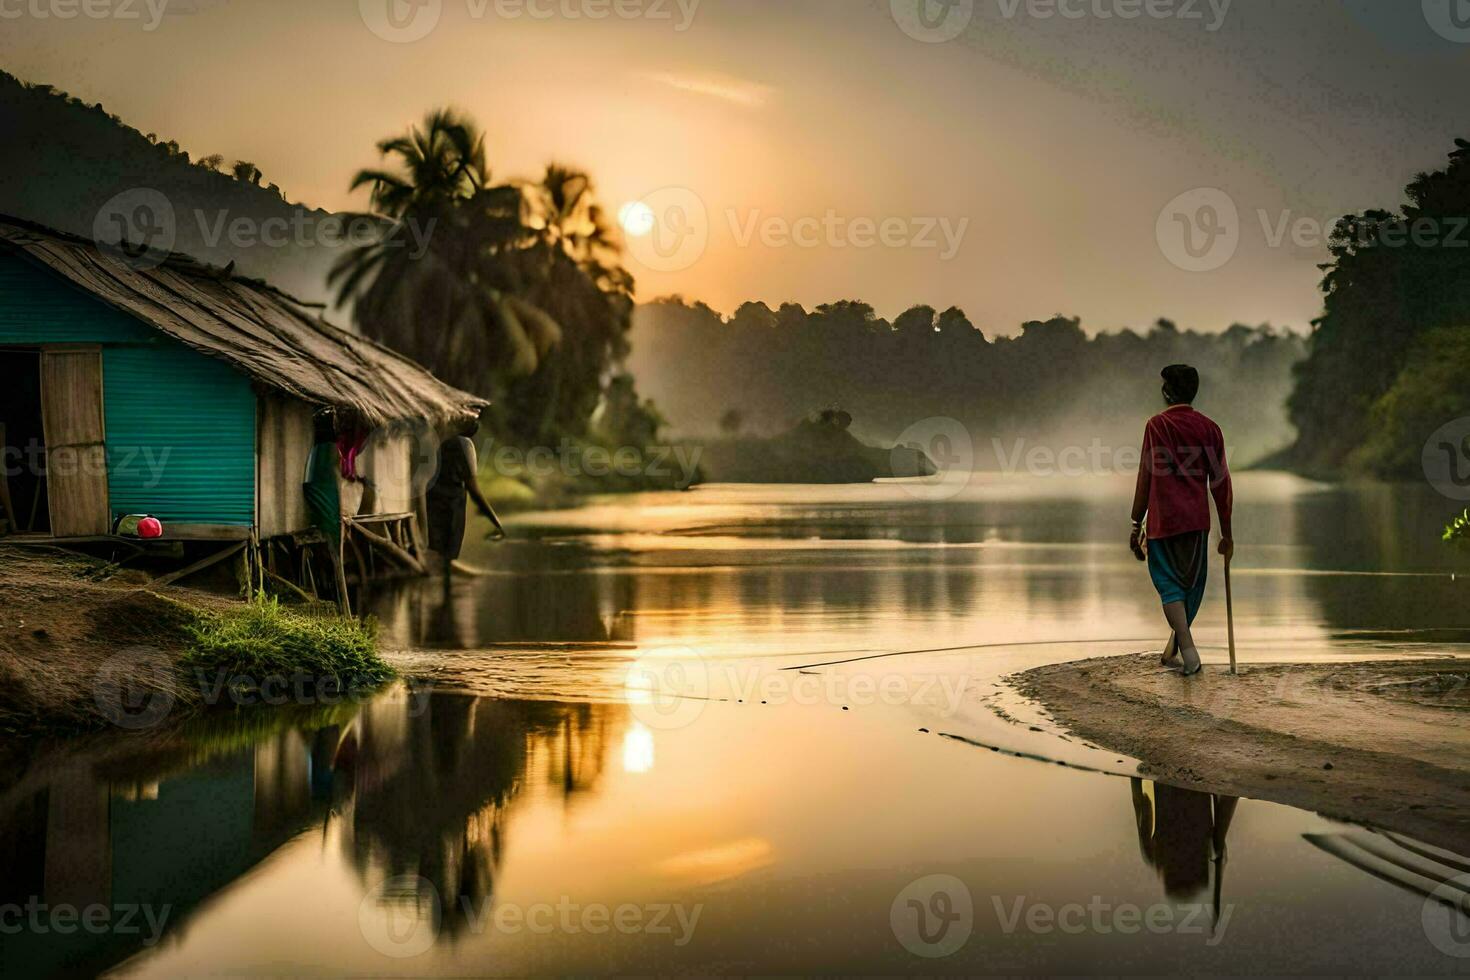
x: 1229, y: 617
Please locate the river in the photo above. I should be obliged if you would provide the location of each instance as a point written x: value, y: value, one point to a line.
x: 759, y: 730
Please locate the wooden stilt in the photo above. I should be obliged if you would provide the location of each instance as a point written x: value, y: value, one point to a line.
x: 389, y: 547
x: 344, y: 605
x: 200, y: 565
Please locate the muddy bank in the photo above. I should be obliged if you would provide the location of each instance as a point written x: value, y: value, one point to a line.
x: 1378, y: 743
x: 84, y: 645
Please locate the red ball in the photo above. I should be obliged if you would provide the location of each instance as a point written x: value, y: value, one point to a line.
x: 150, y: 527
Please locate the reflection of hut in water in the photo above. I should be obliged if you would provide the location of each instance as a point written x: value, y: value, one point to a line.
x: 152, y: 838
x: 418, y: 785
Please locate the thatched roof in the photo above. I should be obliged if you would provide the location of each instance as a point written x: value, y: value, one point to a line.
x: 275, y: 339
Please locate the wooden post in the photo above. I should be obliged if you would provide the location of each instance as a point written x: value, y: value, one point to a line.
x: 1230, y: 617
x: 344, y: 605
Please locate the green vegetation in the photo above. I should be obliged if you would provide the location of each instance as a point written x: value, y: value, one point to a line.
x: 261, y: 639
x: 1387, y: 363
x: 1429, y: 391
x: 1458, y: 531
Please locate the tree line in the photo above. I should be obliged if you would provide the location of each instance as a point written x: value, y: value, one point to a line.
x: 1387, y: 360
x: 763, y: 369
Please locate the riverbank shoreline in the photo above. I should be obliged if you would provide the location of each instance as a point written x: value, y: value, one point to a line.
x: 84, y: 645
x: 1379, y: 743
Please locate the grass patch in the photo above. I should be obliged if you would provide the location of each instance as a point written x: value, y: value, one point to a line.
x: 263, y: 640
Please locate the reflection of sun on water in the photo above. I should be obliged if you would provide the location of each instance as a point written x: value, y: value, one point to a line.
x: 637, y: 749
x: 636, y: 218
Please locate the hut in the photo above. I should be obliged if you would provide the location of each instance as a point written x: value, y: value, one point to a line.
x: 168, y: 388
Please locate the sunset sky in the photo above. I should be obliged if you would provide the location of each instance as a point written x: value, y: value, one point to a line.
x: 1046, y: 147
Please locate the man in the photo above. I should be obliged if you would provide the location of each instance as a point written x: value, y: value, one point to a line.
x: 453, y: 486
x: 1183, y: 465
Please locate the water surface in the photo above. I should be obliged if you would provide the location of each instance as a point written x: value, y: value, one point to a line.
x: 844, y: 737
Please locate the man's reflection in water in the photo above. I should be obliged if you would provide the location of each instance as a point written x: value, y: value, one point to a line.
x: 1181, y: 832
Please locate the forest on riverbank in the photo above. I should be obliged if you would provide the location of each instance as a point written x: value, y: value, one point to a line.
x: 521, y: 294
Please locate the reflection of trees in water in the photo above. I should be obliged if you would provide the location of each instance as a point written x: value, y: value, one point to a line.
x: 429, y: 785
x: 1379, y: 527
x: 587, y: 604
x: 531, y: 606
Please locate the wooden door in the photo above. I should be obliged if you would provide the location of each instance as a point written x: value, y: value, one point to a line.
x: 76, y: 457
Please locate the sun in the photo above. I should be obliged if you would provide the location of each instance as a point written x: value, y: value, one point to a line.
x: 636, y: 218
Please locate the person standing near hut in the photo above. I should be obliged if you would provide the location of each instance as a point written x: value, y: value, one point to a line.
x: 1182, y: 467
x: 453, y: 486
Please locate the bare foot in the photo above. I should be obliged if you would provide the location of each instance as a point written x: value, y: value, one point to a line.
x: 1192, y: 664
x: 1171, y: 652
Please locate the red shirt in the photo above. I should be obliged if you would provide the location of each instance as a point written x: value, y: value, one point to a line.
x: 1183, y: 464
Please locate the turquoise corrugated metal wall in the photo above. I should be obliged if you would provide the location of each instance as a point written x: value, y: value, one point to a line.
x: 180, y: 425
x: 180, y: 436
x: 39, y: 307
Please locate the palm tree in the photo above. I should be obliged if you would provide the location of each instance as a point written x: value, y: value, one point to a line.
x: 574, y: 273
x: 438, y: 283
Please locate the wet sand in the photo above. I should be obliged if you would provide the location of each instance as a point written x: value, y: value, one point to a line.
x: 1377, y: 743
